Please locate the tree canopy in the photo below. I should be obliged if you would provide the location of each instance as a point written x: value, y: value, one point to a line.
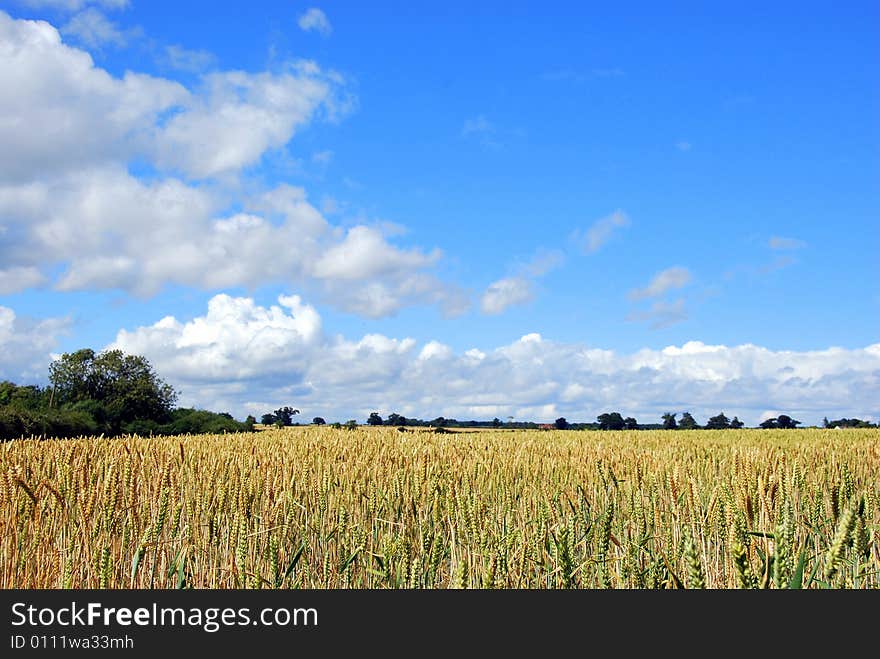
x: 108, y: 393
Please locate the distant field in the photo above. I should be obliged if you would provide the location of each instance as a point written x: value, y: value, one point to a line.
x: 377, y: 508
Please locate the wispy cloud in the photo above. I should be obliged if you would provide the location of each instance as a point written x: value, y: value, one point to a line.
x: 663, y: 281
x: 520, y: 287
x: 477, y: 125
x: 661, y: 314
x: 506, y: 293
x: 481, y: 129
x: 93, y: 29
x: 777, y: 264
x: 543, y: 262
x: 183, y: 59
x: 315, y: 20
x: 613, y: 72
x: 75, y: 5
x: 683, y: 145
x: 780, y: 243
x: 575, y: 76
x: 601, y: 231
x: 322, y: 157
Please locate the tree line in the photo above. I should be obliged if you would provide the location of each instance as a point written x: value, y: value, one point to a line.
x: 112, y: 393
x: 604, y: 421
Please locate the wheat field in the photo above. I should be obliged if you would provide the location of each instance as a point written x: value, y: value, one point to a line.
x: 317, y: 507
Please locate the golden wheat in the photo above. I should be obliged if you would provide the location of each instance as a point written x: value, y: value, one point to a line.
x: 376, y: 508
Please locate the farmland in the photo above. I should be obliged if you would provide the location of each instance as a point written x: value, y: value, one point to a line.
x: 317, y: 507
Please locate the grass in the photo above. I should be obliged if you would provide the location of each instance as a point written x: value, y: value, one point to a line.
x: 315, y: 507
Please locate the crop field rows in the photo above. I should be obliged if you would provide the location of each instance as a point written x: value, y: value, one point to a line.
x: 375, y: 508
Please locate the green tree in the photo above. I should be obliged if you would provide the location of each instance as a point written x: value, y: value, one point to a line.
x: 375, y: 419
x: 768, y: 424
x: 395, y: 419
x: 718, y: 422
x: 118, y: 388
x: 611, y: 421
x: 561, y: 423
x: 669, y: 421
x: 736, y: 424
x: 785, y: 421
x: 318, y: 421
x: 630, y: 423
x: 268, y: 419
x: 687, y: 422
x: 285, y: 415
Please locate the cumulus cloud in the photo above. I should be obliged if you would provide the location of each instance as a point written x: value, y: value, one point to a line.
x: 247, y: 358
x: 68, y: 113
x: 780, y: 243
x: 236, y: 117
x: 666, y: 280
x: 26, y: 344
x: 601, y: 231
x: 235, y: 340
x: 505, y: 293
x: 73, y: 216
x: 315, y: 20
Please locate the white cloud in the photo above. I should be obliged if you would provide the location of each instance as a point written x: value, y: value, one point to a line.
x: 136, y: 236
x: 26, y: 344
x: 315, y: 20
x: 68, y: 113
x: 364, y: 254
x: 94, y: 30
x: 242, y: 357
x: 777, y: 242
x: 70, y: 207
x: 666, y: 280
x: 236, y: 117
x: 234, y: 340
x: 601, y: 231
x: 520, y: 288
x: 505, y: 293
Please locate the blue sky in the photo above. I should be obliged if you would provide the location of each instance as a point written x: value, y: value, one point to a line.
x: 678, y: 204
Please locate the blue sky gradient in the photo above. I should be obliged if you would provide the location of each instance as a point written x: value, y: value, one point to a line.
x: 621, y: 179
